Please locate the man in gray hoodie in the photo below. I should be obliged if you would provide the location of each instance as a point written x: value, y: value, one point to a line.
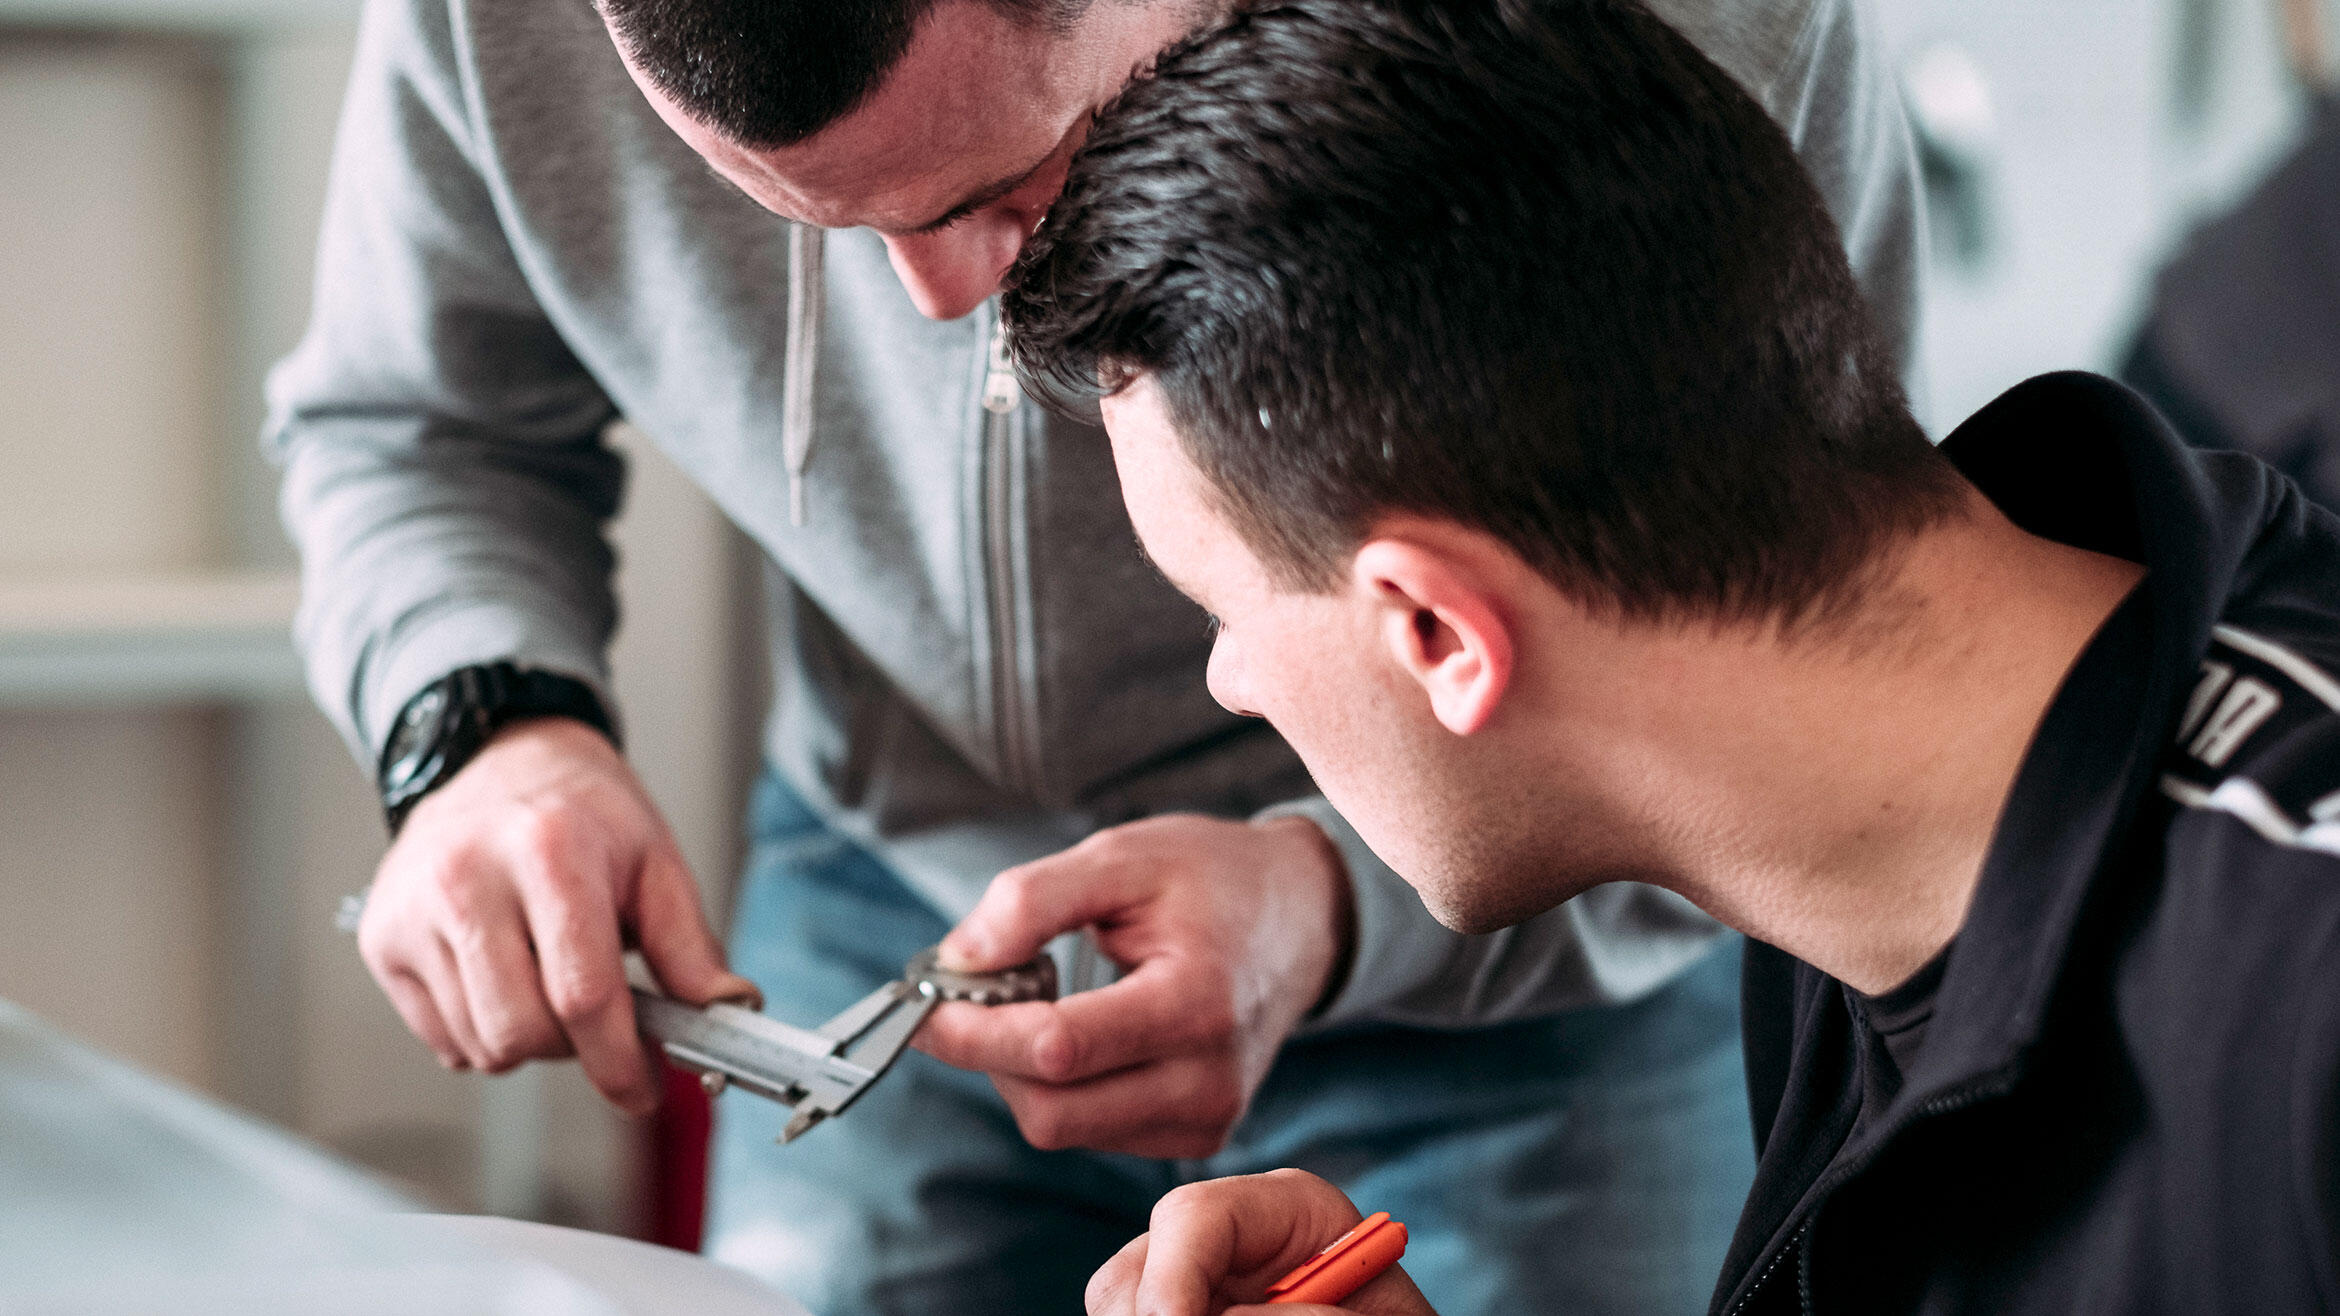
x: 543, y: 218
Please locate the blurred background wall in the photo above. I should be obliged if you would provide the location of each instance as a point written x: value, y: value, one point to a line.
x: 2070, y: 145
x: 176, y: 825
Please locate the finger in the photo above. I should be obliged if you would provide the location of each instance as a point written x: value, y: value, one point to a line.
x: 671, y: 927
x: 1027, y: 906
x: 1391, y: 1293
x: 1162, y: 1010
x: 413, y: 1002
x: 387, y: 939
x: 393, y: 969
x: 1182, y: 1110
x: 582, y: 964
x: 502, y: 991
x: 990, y: 1039
x: 1242, y: 1232
x: 436, y: 968
x: 1191, y: 1250
x: 1112, y: 1290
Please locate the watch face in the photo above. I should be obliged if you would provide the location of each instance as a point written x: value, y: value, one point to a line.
x: 413, y: 744
x: 446, y: 723
x: 423, y: 710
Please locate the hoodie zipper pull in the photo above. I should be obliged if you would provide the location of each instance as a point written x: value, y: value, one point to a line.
x: 1001, y: 392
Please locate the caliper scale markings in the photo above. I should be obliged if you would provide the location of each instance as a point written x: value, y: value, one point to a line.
x: 818, y: 1073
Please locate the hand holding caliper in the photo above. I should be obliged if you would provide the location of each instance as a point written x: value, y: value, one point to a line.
x: 818, y: 1072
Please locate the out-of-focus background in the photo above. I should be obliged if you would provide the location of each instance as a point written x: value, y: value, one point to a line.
x: 177, y: 825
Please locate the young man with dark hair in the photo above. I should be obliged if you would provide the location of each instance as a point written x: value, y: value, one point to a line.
x: 544, y: 216
x: 1490, y: 370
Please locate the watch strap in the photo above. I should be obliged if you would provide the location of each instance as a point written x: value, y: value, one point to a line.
x: 446, y: 723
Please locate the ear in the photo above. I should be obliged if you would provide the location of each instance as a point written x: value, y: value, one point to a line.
x: 1442, y: 621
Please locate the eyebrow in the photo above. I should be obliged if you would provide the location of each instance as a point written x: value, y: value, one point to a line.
x: 986, y: 196
x: 989, y: 194
x: 982, y: 197
x: 1167, y: 579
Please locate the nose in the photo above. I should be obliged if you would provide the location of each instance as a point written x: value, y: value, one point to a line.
x: 1223, y: 675
x: 952, y: 271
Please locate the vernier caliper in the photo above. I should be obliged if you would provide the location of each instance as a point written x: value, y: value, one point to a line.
x: 815, y: 1072
x: 818, y: 1072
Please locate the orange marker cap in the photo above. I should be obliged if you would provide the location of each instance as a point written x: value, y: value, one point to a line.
x: 1346, y: 1265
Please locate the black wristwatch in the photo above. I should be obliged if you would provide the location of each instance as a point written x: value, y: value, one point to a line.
x: 444, y: 725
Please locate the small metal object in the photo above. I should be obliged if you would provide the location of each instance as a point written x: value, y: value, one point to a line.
x: 1025, y: 982
x: 819, y: 1072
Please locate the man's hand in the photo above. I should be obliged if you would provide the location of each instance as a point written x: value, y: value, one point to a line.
x: 1230, y: 933
x: 1216, y: 1246
x: 498, y: 921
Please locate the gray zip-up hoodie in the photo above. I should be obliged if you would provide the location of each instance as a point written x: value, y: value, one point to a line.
x: 974, y: 665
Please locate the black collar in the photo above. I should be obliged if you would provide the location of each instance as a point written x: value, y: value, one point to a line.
x: 2081, y: 460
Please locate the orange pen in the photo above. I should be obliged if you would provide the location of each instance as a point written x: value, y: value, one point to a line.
x: 1346, y: 1265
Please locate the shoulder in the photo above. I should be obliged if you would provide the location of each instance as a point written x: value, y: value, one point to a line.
x: 2259, y: 739
x: 1819, y: 68
x: 2252, y: 904
x: 1799, y: 58
x: 1758, y: 43
x: 441, y: 46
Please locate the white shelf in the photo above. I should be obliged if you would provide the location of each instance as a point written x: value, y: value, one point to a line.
x: 75, y: 640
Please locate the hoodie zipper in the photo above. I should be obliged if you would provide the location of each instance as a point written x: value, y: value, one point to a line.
x: 1003, y: 399
x: 1995, y: 1085
x: 1793, y: 1247
x: 803, y: 360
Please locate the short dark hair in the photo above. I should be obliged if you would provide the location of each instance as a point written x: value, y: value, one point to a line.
x: 771, y: 73
x: 1536, y: 266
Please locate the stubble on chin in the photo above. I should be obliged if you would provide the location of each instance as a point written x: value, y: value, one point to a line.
x: 1476, y: 900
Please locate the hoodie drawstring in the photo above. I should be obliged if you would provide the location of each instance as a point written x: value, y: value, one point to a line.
x: 804, y: 347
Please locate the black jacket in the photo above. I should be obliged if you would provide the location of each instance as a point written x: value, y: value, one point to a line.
x: 2128, y: 1097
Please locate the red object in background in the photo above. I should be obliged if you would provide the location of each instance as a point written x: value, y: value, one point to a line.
x: 678, y: 1161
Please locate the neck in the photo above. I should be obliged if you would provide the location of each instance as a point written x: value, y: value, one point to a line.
x: 1836, y: 796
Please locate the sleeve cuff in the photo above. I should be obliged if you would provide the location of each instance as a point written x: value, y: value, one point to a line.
x: 459, y: 635
x: 1612, y: 944
x: 1399, y: 948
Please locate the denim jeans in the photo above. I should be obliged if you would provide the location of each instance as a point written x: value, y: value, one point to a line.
x: 1590, y: 1163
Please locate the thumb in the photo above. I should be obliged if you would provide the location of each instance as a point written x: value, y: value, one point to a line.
x: 1391, y: 1293
x: 1026, y: 907
x: 675, y: 939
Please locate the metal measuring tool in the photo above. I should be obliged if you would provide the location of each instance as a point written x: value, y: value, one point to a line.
x: 815, y: 1072
x: 818, y: 1072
